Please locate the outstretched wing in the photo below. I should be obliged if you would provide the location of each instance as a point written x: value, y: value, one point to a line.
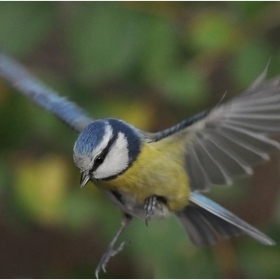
x: 227, y: 140
x: 26, y: 84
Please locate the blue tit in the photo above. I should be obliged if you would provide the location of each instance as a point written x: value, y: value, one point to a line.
x: 153, y: 175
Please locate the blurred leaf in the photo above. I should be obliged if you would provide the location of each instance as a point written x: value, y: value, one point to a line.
x: 213, y: 32
x: 104, y: 39
x: 250, y: 9
x: 3, y: 93
x: 158, y: 47
x: 14, y: 129
x: 185, y: 85
x: 40, y: 188
x: 24, y: 24
x: 259, y: 261
x: 169, y: 250
x: 138, y: 113
x: 79, y: 210
x: 249, y: 61
x: 5, y: 174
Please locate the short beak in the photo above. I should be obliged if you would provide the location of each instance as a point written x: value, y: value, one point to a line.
x: 84, y: 179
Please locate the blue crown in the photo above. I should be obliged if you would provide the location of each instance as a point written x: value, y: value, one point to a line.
x: 93, y: 134
x: 90, y: 137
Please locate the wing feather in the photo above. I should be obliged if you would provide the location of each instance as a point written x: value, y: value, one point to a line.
x: 215, y: 171
x: 261, y: 109
x: 217, y: 210
x: 226, y: 141
x: 198, y: 177
x: 233, y: 163
x: 26, y: 84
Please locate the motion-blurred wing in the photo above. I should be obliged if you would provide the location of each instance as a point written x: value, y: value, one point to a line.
x: 226, y: 141
x: 25, y: 83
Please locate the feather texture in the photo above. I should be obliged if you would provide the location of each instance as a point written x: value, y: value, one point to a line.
x: 228, y: 140
x: 205, y: 218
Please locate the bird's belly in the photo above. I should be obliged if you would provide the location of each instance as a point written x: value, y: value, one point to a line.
x: 130, y: 205
x: 153, y: 174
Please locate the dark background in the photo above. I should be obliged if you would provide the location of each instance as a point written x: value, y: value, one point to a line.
x: 151, y: 64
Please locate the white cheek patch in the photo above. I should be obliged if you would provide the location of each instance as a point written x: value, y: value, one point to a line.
x: 116, y: 160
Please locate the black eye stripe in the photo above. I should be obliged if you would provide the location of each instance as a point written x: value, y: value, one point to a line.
x: 100, y: 158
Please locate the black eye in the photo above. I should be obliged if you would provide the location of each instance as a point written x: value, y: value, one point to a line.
x: 98, y: 161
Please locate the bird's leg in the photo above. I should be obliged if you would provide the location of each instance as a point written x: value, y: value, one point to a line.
x: 110, y: 251
x: 149, y: 206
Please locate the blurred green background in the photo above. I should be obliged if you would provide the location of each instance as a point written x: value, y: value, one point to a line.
x: 151, y: 64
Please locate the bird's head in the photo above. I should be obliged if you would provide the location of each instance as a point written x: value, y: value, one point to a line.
x: 105, y: 149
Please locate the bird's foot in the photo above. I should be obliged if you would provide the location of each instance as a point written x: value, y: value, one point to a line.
x: 110, y: 252
x: 149, y: 206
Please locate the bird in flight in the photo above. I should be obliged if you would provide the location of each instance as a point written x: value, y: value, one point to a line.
x: 152, y: 175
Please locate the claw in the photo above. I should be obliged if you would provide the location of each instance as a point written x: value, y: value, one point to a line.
x: 149, y: 206
x: 110, y: 251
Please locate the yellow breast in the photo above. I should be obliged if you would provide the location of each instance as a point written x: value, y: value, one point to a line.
x: 158, y: 170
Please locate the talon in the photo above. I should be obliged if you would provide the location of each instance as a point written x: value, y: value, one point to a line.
x: 110, y: 252
x: 149, y: 206
x: 120, y: 248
